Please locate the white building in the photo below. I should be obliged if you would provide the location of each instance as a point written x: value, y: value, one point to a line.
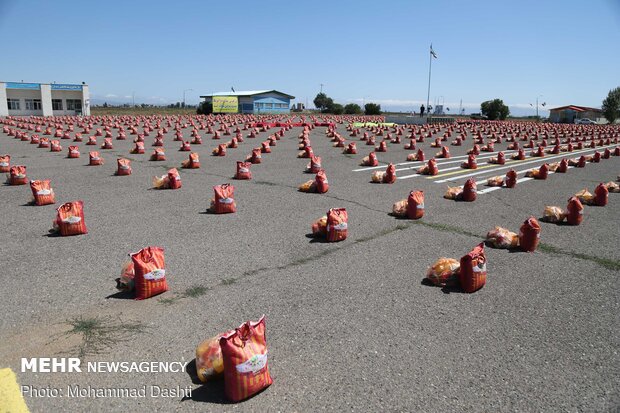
x: 43, y: 99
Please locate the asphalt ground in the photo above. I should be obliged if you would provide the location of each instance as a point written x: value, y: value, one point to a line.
x: 350, y: 326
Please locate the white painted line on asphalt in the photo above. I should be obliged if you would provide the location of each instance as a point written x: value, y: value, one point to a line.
x: 483, y: 155
x: 537, y: 160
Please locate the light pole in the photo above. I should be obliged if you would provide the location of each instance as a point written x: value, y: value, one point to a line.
x: 537, y: 106
x: 321, y: 87
x: 186, y: 90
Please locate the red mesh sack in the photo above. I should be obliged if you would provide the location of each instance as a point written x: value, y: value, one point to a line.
x: 224, y: 202
x: 314, y: 166
x: 322, y: 185
x: 543, y: 172
x: 574, y: 211
x: 94, y: 158
x: 70, y: 219
x: 390, y: 174
x: 415, y: 205
x: 265, y: 147
x: 5, y: 163
x: 150, y: 272
x: 469, y: 191
x: 501, y: 158
x: 600, y: 195
x: 193, y: 162
x: 563, y: 167
x: 158, y: 155
x: 420, y: 156
x: 123, y: 166
x: 337, y: 224
x: 255, y: 157
x: 246, y: 370
x: 42, y: 192
x: 74, y: 152
x: 17, y: 175
x: 511, y: 179
x: 529, y: 235
x: 174, y: 179
x: 243, y: 170
x: 473, y: 273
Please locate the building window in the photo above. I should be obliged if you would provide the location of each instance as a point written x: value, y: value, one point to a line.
x: 33, y: 104
x: 74, y: 104
x: 56, y: 104
x: 13, y: 104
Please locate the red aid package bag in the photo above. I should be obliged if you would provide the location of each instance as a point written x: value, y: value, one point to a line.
x: 390, y: 174
x: 314, y: 166
x: 5, y: 163
x: 320, y: 180
x: 529, y: 235
x: 70, y: 219
x: 337, y: 224
x: 74, y: 152
x: 123, y: 166
x: 42, y: 192
x: 17, y: 175
x: 473, y: 273
x: 193, y: 162
x: 174, y: 179
x: 94, y: 158
x: 244, y: 350
x: 574, y: 211
x: 150, y: 272
x: 469, y: 191
x: 55, y: 146
x: 224, y: 201
x: 601, y: 195
x: 415, y: 205
x: 243, y: 170
x: 511, y: 179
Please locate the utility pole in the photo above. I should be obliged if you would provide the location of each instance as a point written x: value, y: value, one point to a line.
x: 428, y: 96
x: 133, y: 99
x: 321, y: 87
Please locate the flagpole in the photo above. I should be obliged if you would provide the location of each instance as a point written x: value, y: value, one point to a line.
x: 428, y: 96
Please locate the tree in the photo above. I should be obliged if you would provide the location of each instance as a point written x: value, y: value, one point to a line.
x: 336, y: 109
x: 611, y: 105
x: 321, y: 101
x: 372, y: 109
x: 495, y: 109
x: 352, y: 109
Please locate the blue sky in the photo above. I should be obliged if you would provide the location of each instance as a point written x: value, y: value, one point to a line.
x: 567, y: 51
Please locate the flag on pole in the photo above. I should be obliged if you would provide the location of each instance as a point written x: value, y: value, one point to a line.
x: 433, y: 52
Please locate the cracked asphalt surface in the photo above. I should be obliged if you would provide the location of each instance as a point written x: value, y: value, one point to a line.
x: 350, y: 326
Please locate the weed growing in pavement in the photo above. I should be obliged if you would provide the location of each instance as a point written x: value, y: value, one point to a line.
x: 228, y: 281
x: 169, y: 300
x: 195, y: 291
x: 99, y: 334
x: 603, y: 262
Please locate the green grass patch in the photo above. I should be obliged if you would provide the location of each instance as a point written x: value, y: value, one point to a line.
x: 168, y: 300
x: 228, y: 281
x: 610, y: 264
x: 100, y: 334
x: 195, y: 291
